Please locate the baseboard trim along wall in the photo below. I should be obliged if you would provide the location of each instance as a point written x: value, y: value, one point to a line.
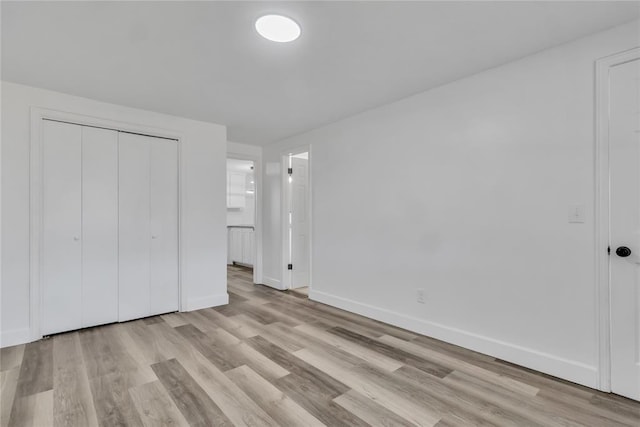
x: 553, y: 365
x: 208, y: 301
x: 15, y: 337
x: 23, y: 336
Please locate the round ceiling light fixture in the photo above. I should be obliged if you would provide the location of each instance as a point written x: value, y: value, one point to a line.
x: 278, y: 28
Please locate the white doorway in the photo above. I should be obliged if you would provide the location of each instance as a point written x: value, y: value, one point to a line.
x: 298, y: 222
x: 242, y: 213
x: 619, y: 169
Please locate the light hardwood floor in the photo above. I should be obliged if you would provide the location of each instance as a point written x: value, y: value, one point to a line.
x: 274, y: 358
x: 302, y: 291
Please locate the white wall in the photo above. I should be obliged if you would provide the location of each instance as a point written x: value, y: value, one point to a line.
x: 463, y: 191
x: 203, y: 211
x: 241, y: 151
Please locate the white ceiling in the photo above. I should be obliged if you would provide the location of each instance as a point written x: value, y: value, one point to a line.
x: 204, y: 60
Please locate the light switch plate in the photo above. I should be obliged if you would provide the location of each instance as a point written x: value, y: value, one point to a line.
x: 576, y: 213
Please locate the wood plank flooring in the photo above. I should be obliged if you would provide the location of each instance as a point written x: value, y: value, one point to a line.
x: 274, y: 358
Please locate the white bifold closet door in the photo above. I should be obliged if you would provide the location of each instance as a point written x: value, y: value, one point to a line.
x: 79, y: 227
x: 148, y: 232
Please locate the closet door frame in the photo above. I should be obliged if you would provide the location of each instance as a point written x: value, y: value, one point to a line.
x: 37, y: 116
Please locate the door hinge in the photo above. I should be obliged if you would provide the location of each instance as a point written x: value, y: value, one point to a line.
x: 609, y: 250
x: 290, y: 171
x: 289, y: 266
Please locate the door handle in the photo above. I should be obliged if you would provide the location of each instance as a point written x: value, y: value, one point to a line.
x: 623, y: 251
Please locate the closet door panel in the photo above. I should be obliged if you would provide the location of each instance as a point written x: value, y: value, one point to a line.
x: 134, y: 229
x: 164, y: 225
x: 99, y: 226
x: 61, y: 228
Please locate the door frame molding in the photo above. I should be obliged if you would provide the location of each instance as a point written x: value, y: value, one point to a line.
x: 257, y: 222
x: 284, y: 199
x: 37, y: 115
x: 602, y: 230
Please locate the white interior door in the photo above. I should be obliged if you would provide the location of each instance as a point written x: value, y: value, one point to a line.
x: 300, y: 230
x: 163, y: 215
x: 624, y: 140
x: 99, y: 226
x: 62, y: 227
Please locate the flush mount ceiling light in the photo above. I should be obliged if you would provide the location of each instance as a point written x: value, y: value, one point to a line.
x: 278, y: 28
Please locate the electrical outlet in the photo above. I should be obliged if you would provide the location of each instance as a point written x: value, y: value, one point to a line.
x: 576, y: 213
x: 420, y: 295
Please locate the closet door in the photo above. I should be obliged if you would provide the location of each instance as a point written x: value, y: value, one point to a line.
x: 61, y: 228
x: 148, y: 256
x: 99, y: 226
x: 134, y: 227
x: 163, y: 214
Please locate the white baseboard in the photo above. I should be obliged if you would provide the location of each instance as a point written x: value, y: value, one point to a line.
x: 553, y: 365
x: 15, y: 337
x: 22, y: 336
x: 208, y: 301
x: 274, y: 283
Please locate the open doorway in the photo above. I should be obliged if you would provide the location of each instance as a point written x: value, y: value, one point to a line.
x: 241, y: 216
x: 298, y: 223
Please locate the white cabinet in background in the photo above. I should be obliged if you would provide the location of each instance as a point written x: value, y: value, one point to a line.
x: 247, y: 247
x: 235, y: 245
x: 241, y: 245
x: 236, y: 190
